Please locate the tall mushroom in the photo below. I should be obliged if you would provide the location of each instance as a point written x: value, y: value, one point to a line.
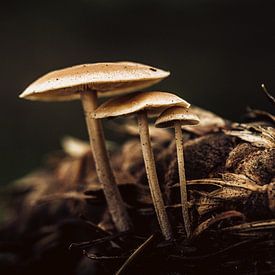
x: 142, y: 104
x: 87, y: 82
x: 176, y: 117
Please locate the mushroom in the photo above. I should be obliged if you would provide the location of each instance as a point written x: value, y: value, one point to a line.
x: 176, y: 117
x: 87, y: 82
x: 143, y: 104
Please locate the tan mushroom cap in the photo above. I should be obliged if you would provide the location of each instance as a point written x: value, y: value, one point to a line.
x: 176, y: 114
x: 106, y: 78
x: 154, y: 102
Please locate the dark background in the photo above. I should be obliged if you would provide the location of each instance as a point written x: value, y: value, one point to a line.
x: 219, y: 52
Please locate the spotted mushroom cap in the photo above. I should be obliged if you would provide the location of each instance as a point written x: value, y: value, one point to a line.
x: 108, y: 79
x: 154, y: 102
x: 176, y: 114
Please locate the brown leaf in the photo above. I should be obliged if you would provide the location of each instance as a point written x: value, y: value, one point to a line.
x: 232, y: 189
x: 209, y: 122
x: 258, y: 135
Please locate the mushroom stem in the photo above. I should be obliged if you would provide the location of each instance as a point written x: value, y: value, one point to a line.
x: 152, y: 175
x: 182, y: 178
x: 103, y: 167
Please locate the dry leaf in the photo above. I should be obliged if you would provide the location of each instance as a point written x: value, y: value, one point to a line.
x: 209, y: 122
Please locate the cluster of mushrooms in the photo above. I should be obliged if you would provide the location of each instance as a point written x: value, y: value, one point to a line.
x: 121, y: 81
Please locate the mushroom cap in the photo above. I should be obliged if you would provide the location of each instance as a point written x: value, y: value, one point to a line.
x: 153, y: 102
x: 176, y: 114
x: 106, y: 78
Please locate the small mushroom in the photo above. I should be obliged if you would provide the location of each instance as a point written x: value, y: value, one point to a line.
x: 143, y: 104
x: 87, y: 82
x: 176, y: 117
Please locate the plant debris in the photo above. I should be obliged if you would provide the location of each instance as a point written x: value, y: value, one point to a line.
x: 57, y: 220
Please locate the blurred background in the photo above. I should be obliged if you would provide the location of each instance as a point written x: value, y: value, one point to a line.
x: 218, y: 51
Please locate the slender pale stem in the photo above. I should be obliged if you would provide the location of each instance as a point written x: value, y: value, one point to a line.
x: 182, y: 178
x: 152, y: 175
x: 103, y: 167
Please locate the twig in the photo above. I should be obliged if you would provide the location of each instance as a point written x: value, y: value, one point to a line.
x: 89, y: 244
x: 136, y: 255
x: 100, y: 258
x: 269, y: 96
x: 214, y: 254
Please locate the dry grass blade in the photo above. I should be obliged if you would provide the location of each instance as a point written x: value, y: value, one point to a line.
x: 252, y: 226
x: 229, y: 180
x: 103, y: 258
x: 89, y: 244
x: 136, y: 255
x: 211, y: 221
x: 214, y: 254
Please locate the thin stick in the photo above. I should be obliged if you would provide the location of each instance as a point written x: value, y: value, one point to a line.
x: 152, y: 175
x: 137, y: 254
x: 103, y: 167
x: 182, y: 178
x: 89, y: 244
x: 269, y: 96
